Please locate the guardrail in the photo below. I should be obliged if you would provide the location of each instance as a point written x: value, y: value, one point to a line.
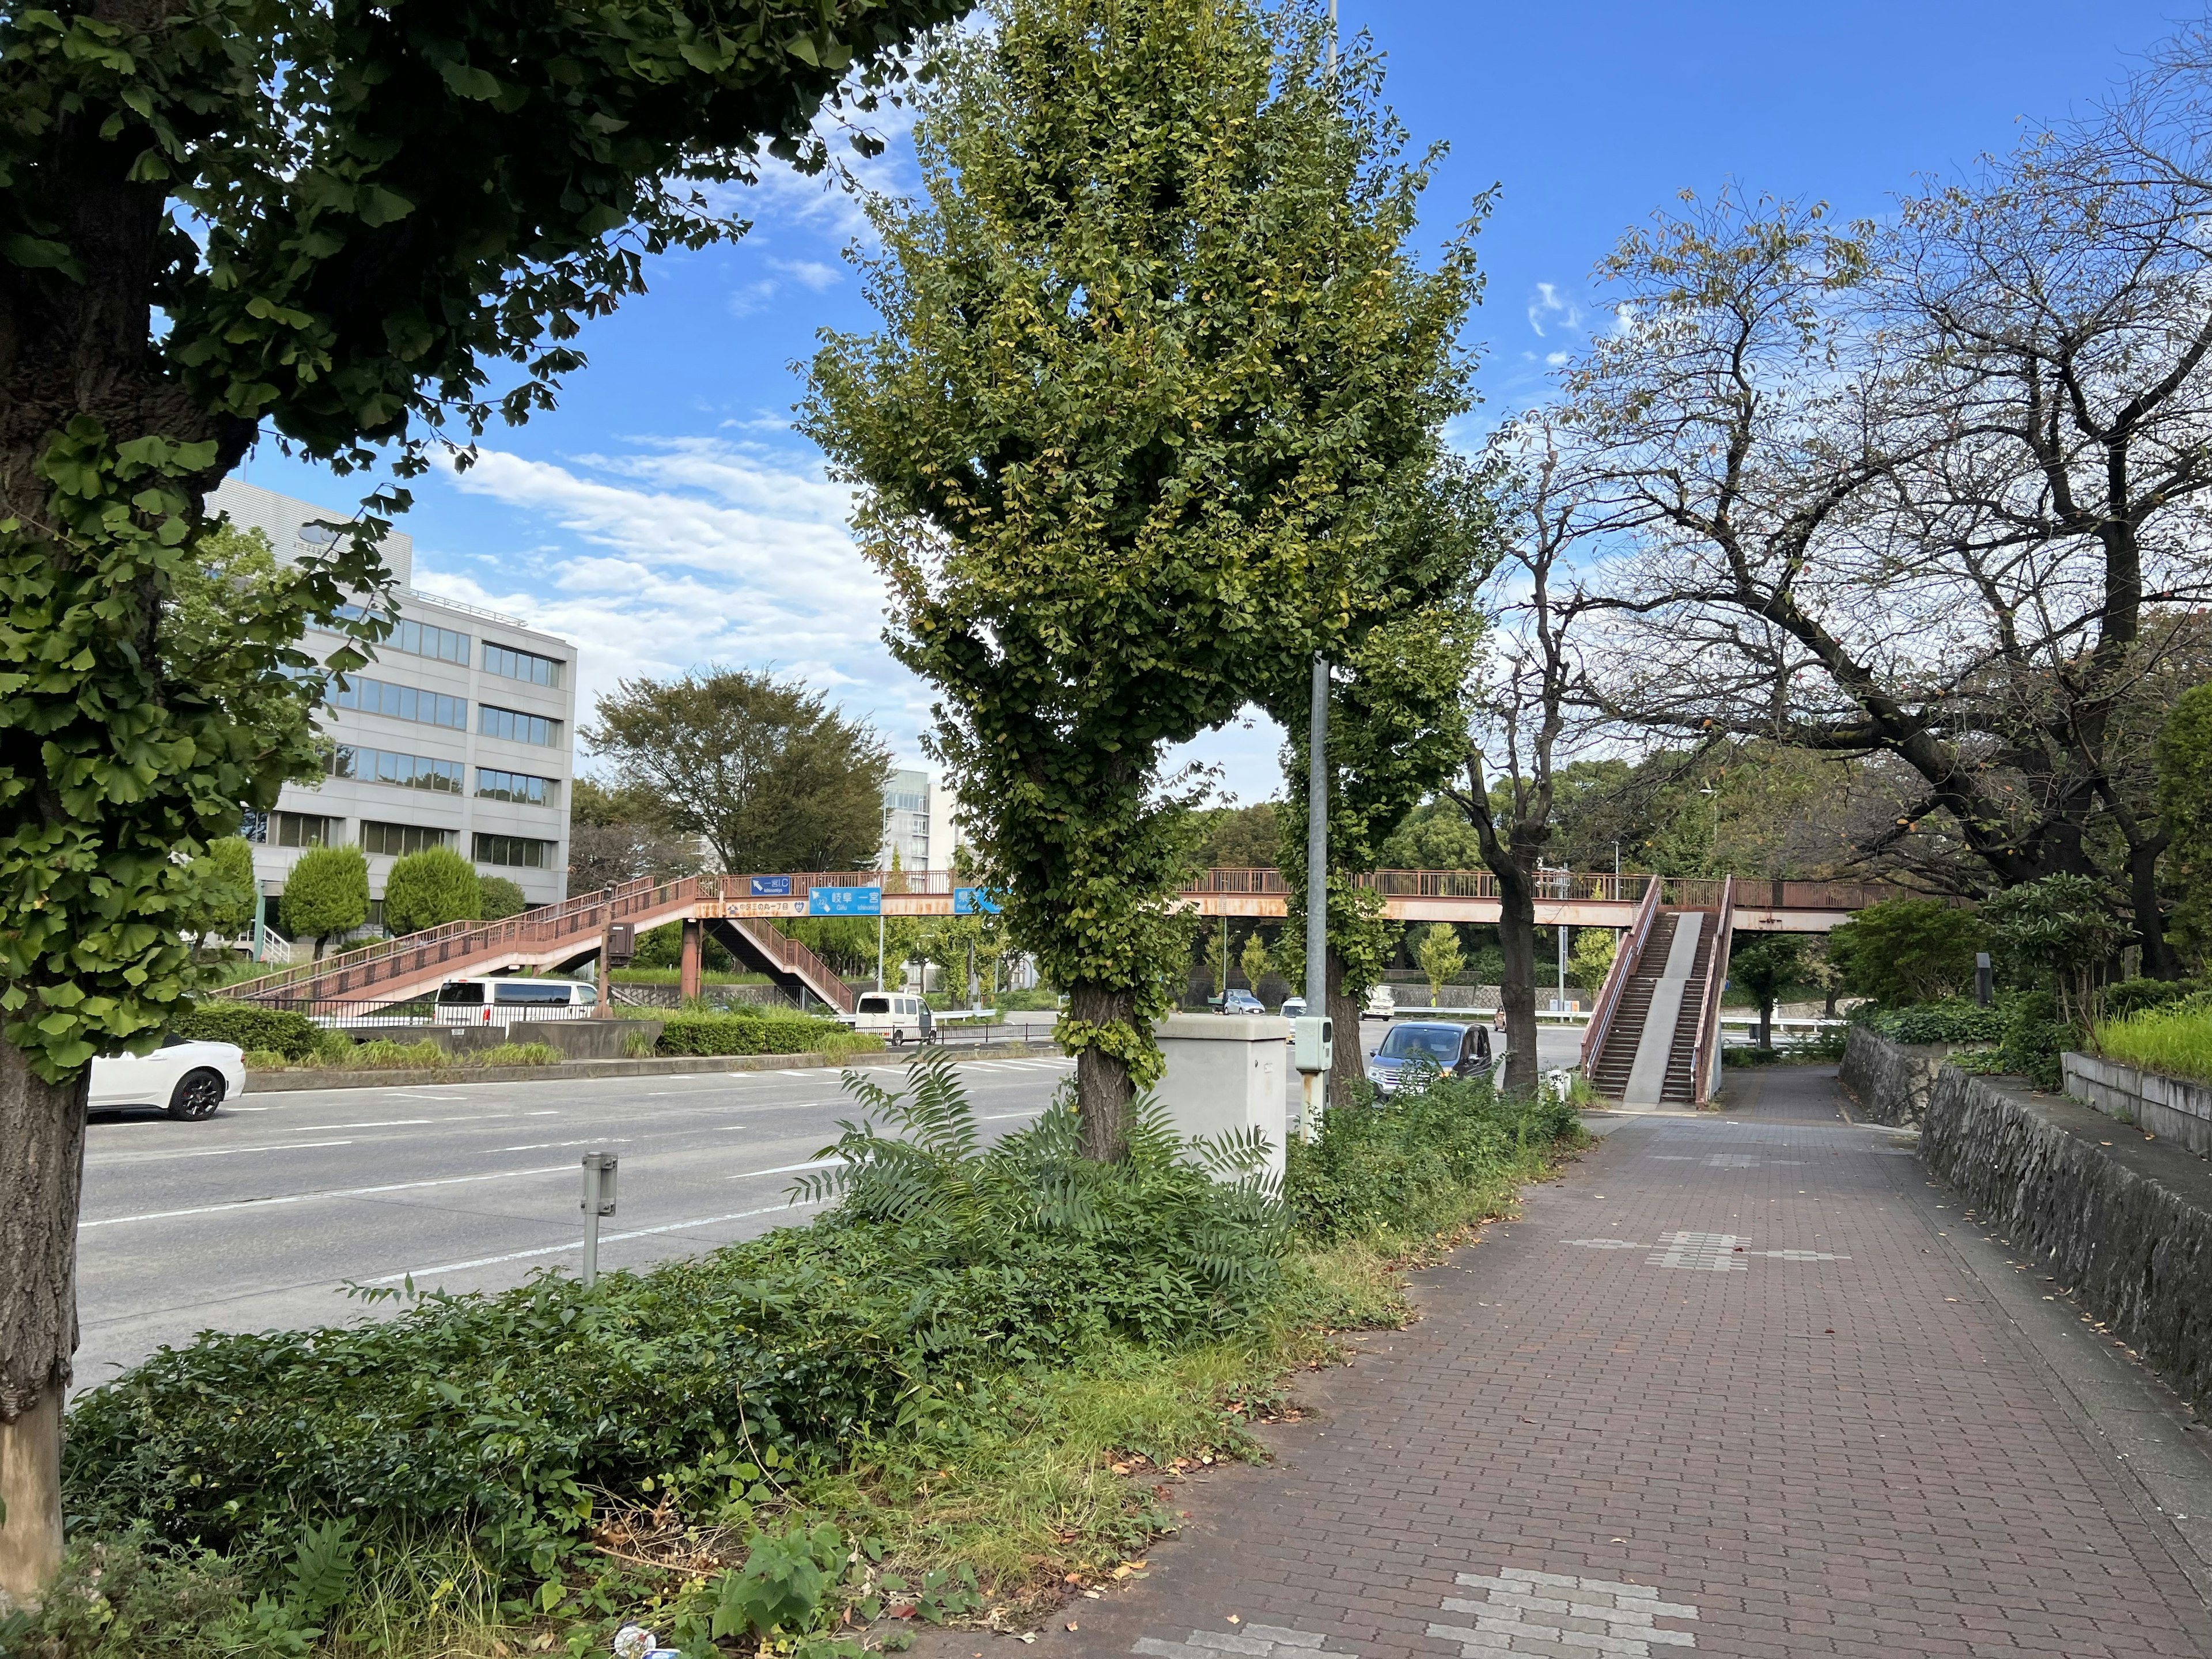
x: 1707, y: 1061
x: 1624, y: 962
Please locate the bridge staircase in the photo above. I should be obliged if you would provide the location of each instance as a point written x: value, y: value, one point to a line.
x: 1654, y: 1037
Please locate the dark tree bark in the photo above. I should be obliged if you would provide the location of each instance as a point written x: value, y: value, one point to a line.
x: 1103, y: 1085
x: 1348, y: 1065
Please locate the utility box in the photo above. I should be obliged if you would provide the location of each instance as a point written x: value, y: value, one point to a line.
x: 1227, y: 1072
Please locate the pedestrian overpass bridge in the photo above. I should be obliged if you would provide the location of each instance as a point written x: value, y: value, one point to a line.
x: 743, y: 911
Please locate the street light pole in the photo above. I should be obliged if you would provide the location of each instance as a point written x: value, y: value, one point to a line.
x: 1316, y: 1080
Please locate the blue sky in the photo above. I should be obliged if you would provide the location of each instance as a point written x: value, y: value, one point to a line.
x: 667, y: 517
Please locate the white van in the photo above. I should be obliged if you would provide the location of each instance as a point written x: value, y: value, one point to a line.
x: 497, y: 1001
x: 895, y: 1015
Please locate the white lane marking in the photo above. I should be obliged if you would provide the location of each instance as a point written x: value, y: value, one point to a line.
x: 551, y: 1111
x: 604, y: 1238
x: 215, y: 1151
x: 788, y: 1169
x: 380, y: 1123
x: 335, y: 1192
x: 993, y: 1117
x: 549, y: 1146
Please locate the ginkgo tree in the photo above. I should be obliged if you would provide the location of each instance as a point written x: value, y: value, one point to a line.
x: 1156, y: 359
x: 333, y: 222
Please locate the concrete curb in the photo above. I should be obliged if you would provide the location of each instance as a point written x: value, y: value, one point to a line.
x: 573, y: 1070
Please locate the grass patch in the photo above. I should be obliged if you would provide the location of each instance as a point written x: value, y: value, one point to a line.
x: 983, y: 1370
x: 2174, y: 1041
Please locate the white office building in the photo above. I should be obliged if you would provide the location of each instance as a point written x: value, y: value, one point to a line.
x: 918, y: 822
x: 461, y: 734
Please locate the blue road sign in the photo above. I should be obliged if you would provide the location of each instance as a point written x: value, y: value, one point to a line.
x: 771, y: 886
x: 972, y: 901
x: 845, y: 902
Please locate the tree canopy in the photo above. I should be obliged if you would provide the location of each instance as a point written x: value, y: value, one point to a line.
x: 1157, y: 362
x: 770, y: 775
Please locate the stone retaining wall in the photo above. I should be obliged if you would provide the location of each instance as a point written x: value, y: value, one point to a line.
x: 2121, y: 1221
x: 2169, y: 1107
x: 1889, y: 1080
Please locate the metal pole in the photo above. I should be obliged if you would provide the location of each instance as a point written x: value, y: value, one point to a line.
x: 879, y: 945
x: 591, y: 1248
x: 1332, y: 36
x: 1317, y: 1082
x: 1562, y: 931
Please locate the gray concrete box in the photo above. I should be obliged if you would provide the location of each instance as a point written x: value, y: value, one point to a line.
x: 1226, y: 1073
x: 2169, y: 1106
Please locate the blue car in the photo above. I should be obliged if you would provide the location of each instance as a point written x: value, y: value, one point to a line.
x: 1453, y: 1048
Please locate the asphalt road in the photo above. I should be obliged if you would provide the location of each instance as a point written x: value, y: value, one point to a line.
x: 257, y: 1219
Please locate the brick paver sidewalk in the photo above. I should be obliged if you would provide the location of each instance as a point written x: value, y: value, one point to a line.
x: 1722, y: 1389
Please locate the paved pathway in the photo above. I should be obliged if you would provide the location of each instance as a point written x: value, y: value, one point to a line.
x: 1739, y: 1384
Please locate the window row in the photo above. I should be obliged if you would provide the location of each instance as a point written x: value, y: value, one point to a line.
x: 521, y: 787
x: 516, y: 664
x: 408, y: 771
x: 517, y: 726
x: 400, y: 702
x: 396, y: 840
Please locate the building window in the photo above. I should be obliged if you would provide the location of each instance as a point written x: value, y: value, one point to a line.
x: 397, y: 840
x: 417, y: 639
x: 408, y: 771
x: 302, y: 829
x: 399, y: 702
x: 513, y: 723
x: 254, y: 826
x: 517, y: 786
x: 514, y: 664
x: 515, y: 852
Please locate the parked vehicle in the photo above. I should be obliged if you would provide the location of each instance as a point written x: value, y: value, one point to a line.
x: 894, y: 1015
x: 1293, y: 1008
x: 1382, y: 1004
x: 1454, y: 1049
x: 188, y: 1079
x: 1242, y: 1002
x: 496, y: 1000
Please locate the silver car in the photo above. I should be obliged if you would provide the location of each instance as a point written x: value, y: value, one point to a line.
x: 1453, y: 1048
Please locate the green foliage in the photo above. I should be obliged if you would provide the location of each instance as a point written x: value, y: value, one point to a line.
x: 774, y: 777
x: 1440, y: 956
x: 2133, y: 996
x: 122, y: 1596
x: 1589, y: 959
x: 2059, y: 933
x: 517, y: 1054
x: 499, y: 897
x: 2175, y: 1040
x: 781, y: 1585
x: 1237, y: 837
x: 1426, y: 1161
x: 1434, y: 835
x: 224, y: 893
x: 1158, y: 369
x: 327, y: 893
x: 429, y: 888
x: 663, y: 947
x: 747, y: 1033
x: 294, y: 1035
x: 1255, y: 960
x: 1766, y: 964
x: 1216, y: 955
x: 2185, y: 803
x: 383, y: 1054
x: 1953, y: 1020
x: 1908, y: 950
x: 2036, y: 1033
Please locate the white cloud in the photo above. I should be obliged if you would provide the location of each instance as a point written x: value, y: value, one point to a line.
x: 753, y: 296
x: 679, y: 553
x: 813, y: 273
x: 1556, y: 359
x: 1548, y: 305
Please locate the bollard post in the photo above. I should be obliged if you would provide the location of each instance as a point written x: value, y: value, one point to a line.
x: 599, y: 1200
x: 1984, y: 979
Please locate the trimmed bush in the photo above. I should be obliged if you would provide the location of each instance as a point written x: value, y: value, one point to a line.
x: 429, y: 888
x: 326, y: 894
x: 1951, y: 1021
x: 748, y: 1034
x: 294, y: 1035
x: 502, y: 898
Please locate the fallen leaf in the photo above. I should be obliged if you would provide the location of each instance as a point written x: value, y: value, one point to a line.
x: 1093, y: 1594
x: 1234, y: 1620
x: 500, y: 1651
x: 1123, y: 1571
x: 1073, y: 1578
x: 1071, y: 1624
x: 1138, y: 1564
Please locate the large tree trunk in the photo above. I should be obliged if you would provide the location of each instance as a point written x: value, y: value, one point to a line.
x: 1349, y: 1064
x: 1103, y: 1088
x: 1517, y: 936
x: 41, y: 1172
x: 2159, y: 960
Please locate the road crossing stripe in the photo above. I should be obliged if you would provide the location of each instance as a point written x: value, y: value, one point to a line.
x: 335, y: 1192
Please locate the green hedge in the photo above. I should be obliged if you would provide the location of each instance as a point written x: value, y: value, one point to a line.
x: 746, y: 1034
x: 293, y: 1036
x: 1934, y: 1022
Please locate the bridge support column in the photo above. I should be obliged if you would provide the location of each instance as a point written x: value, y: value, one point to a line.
x: 695, y: 945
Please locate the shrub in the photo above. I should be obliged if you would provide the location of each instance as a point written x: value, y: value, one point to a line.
x: 429, y: 888
x: 499, y: 898
x: 1420, y: 1162
x: 748, y: 1033
x: 294, y: 1035
x: 2175, y: 1040
x: 948, y: 1264
x: 2059, y: 932
x: 2133, y: 996
x: 1903, y: 951
x: 517, y: 1054
x: 266, y: 1060
x: 1951, y: 1021
x: 2034, y: 1037
x: 327, y: 893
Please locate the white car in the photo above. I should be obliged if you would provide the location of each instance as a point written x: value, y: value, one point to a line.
x: 1382, y: 1004
x: 893, y: 1016
x: 188, y: 1079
